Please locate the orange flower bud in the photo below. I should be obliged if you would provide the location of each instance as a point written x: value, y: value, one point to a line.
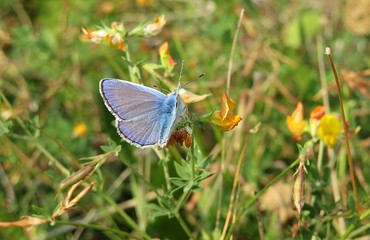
x: 295, y: 122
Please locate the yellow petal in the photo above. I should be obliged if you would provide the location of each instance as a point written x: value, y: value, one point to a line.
x: 295, y: 122
x: 154, y: 27
x: 79, y: 130
x: 297, y: 114
x: 189, y: 97
x: 296, y: 128
x: 227, y: 123
x: 329, y: 129
x: 144, y: 2
x: 227, y: 105
x: 163, y: 49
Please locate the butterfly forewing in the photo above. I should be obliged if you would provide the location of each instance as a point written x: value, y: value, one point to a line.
x: 128, y: 100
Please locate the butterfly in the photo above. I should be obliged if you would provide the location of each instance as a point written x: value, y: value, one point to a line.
x: 144, y: 116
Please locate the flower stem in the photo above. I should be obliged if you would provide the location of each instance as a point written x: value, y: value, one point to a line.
x: 235, y: 184
x: 259, y: 194
x: 352, y: 227
x: 184, y: 226
x: 346, y: 133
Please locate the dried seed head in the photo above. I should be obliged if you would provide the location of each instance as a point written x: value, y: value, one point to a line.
x: 74, y: 178
x: 298, y: 189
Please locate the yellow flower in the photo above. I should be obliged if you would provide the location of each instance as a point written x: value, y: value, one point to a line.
x: 79, y: 130
x: 154, y: 27
x: 329, y: 129
x: 166, y: 59
x: 144, y: 2
x: 117, y: 39
x: 223, y: 119
x: 113, y: 35
x: 295, y: 122
x: 118, y: 27
x: 95, y: 36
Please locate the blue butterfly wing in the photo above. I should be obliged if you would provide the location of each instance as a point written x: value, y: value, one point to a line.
x: 127, y: 100
x: 142, y: 133
x: 145, y: 117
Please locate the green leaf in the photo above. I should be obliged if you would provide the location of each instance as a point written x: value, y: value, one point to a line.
x: 204, y: 163
x: 158, y: 211
x: 112, y: 147
x: 36, y: 122
x: 205, y: 175
x: 311, y: 23
x: 307, y: 24
x: 182, y: 171
x: 314, y: 173
x: 188, y: 187
x: 301, y: 148
x: 291, y: 34
x: 326, y: 176
x: 178, y: 182
x: 3, y: 129
x: 105, y: 148
x: 351, y: 203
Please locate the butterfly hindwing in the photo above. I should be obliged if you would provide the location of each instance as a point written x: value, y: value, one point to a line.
x: 141, y: 134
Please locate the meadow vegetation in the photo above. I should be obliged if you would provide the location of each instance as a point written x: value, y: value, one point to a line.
x: 276, y: 142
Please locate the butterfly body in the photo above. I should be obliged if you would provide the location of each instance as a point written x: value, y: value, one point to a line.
x: 144, y: 116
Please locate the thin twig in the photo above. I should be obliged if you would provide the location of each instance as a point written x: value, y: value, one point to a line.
x: 8, y: 188
x: 346, y: 132
x: 259, y: 220
x: 258, y: 194
x: 235, y: 183
x: 223, y: 153
x: 324, y: 85
x: 332, y: 160
x: 232, y: 51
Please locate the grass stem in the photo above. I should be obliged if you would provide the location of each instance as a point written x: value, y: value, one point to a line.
x: 346, y: 132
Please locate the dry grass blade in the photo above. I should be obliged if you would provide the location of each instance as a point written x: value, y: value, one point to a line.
x: 346, y: 132
x: 24, y: 222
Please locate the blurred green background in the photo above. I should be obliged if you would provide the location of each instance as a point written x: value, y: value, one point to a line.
x: 50, y: 75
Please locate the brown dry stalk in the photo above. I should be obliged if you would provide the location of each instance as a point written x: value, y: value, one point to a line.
x: 69, y: 201
x: 298, y: 189
x: 346, y: 132
x: 24, y: 222
x: 77, y: 176
x: 235, y: 183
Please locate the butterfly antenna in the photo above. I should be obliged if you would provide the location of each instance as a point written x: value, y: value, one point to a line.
x: 182, y: 68
x: 200, y: 76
